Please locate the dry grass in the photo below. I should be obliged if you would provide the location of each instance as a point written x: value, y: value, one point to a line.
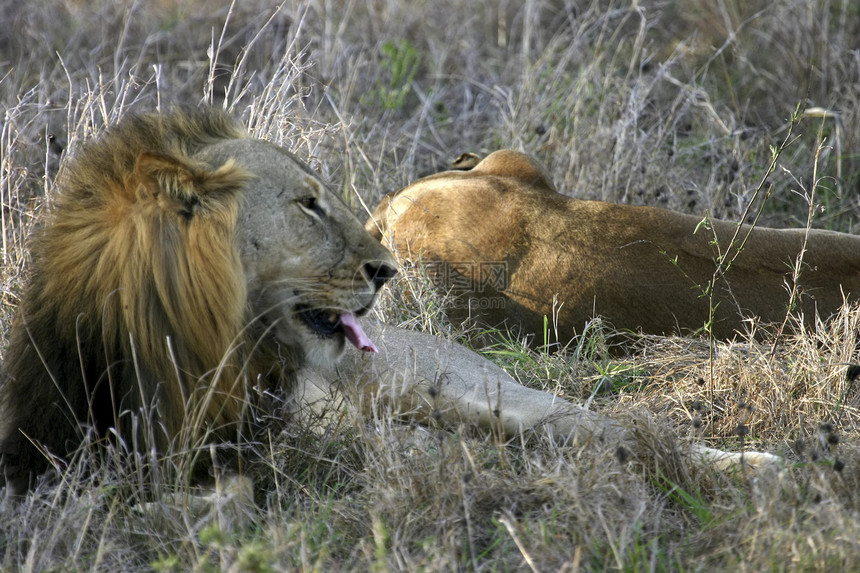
x: 666, y: 102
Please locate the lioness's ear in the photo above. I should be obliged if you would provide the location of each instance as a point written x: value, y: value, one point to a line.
x: 188, y: 182
x: 465, y: 161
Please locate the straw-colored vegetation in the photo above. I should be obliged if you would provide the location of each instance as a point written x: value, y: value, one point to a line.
x: 674, y: 103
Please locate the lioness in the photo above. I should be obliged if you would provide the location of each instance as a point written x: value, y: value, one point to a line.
x: 512, y: 251
x: 184, y: 273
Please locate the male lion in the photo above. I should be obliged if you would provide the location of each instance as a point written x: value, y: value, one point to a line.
x: 186, y: 271
x: 184, y: 268
x: 514, y: 251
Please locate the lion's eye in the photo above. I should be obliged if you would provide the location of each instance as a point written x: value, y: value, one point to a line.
x: 311, y: 206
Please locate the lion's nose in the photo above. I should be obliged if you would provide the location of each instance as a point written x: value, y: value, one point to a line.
x: 379, y: 272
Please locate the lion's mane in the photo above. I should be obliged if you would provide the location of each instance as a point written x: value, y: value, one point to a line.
x: 136, y: 297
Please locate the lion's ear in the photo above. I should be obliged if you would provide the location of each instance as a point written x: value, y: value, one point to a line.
x: 188, y: 182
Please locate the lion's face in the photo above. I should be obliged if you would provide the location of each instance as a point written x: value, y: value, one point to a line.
x: 311, y: 268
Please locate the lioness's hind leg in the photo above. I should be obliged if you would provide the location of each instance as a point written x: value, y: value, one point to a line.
x: 427, y: 378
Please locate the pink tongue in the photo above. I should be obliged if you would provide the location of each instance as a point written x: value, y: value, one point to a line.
x: 355, y: 334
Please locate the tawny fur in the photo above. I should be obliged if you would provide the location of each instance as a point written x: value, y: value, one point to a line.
x: 641, y: 268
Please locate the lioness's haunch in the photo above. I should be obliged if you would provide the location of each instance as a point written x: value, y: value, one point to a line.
x: 185, y: 270
x: 508, y: 246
